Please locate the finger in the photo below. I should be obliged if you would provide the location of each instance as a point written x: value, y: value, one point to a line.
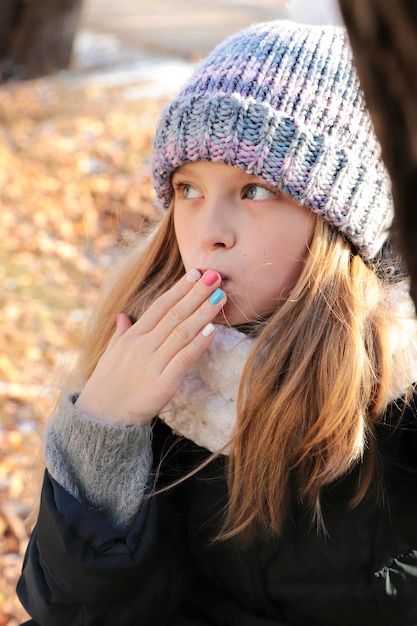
x: 187, y: 306
x: 177, y: 304
x: 189, y: 329
x: 123, y: 323
x: 184, y: 359
x: 152, y: 316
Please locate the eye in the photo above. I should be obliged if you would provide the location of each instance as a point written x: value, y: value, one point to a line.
x: 258, y: 192
x: 185, y: 190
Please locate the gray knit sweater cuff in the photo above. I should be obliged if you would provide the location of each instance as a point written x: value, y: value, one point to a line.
x: 104, y: 466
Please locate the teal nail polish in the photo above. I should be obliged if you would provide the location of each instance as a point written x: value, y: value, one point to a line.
x: 216, y: 296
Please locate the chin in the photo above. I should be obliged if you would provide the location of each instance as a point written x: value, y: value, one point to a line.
x: 232, y: 318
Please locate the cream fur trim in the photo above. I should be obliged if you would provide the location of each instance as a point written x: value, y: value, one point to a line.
x: 403, y: 339
x: 204, y: 407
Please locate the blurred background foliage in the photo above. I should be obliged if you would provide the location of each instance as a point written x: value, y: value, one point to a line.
x: 74, y: 176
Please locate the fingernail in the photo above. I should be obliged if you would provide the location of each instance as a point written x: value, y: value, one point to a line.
x: 216, y: 296
x: 118, y: 318
x: 193, y: 276
x: 210, y: 278
x: 207, y: 330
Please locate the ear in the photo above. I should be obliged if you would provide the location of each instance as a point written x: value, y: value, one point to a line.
x: 315, y: 12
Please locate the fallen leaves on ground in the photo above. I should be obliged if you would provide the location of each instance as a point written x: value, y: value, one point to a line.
x: 74, y: 176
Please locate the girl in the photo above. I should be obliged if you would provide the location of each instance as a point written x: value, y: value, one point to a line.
x: 240, y: 448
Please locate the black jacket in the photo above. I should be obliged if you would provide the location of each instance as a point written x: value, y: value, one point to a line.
x: 167, y: 571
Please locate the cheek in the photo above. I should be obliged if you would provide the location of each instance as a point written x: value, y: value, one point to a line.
x: 289, y: 249
x: 281, y: 264
x: 182, y: 234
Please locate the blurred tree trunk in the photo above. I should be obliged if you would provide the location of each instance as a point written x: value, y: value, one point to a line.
x: 383, y: 35
x: 36, y: 36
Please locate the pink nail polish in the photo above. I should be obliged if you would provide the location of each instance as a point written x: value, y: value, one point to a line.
x: 210, y: 278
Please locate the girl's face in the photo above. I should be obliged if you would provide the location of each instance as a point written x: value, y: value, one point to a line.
x: 254, y: 236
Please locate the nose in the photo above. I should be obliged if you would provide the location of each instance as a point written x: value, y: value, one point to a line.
x: 217, y: 227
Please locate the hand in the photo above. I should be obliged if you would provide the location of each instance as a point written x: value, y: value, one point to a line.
x: 145, y: 362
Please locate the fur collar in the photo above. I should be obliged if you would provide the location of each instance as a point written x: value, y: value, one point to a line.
x: 402, y: 339
x: 204, y: 407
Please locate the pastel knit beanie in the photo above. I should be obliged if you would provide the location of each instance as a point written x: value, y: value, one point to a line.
x: 282, y: 101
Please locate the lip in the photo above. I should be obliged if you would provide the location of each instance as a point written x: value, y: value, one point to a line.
x: 223, y: 276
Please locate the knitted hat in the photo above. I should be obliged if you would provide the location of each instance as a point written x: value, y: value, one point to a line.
x: 282, y: 101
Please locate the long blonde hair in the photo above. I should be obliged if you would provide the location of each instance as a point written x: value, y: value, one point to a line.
x: 314, y: 386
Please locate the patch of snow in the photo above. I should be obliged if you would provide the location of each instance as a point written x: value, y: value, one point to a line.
x: 93, y: 50
x: 102, y: 60
x: 315, y: 12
